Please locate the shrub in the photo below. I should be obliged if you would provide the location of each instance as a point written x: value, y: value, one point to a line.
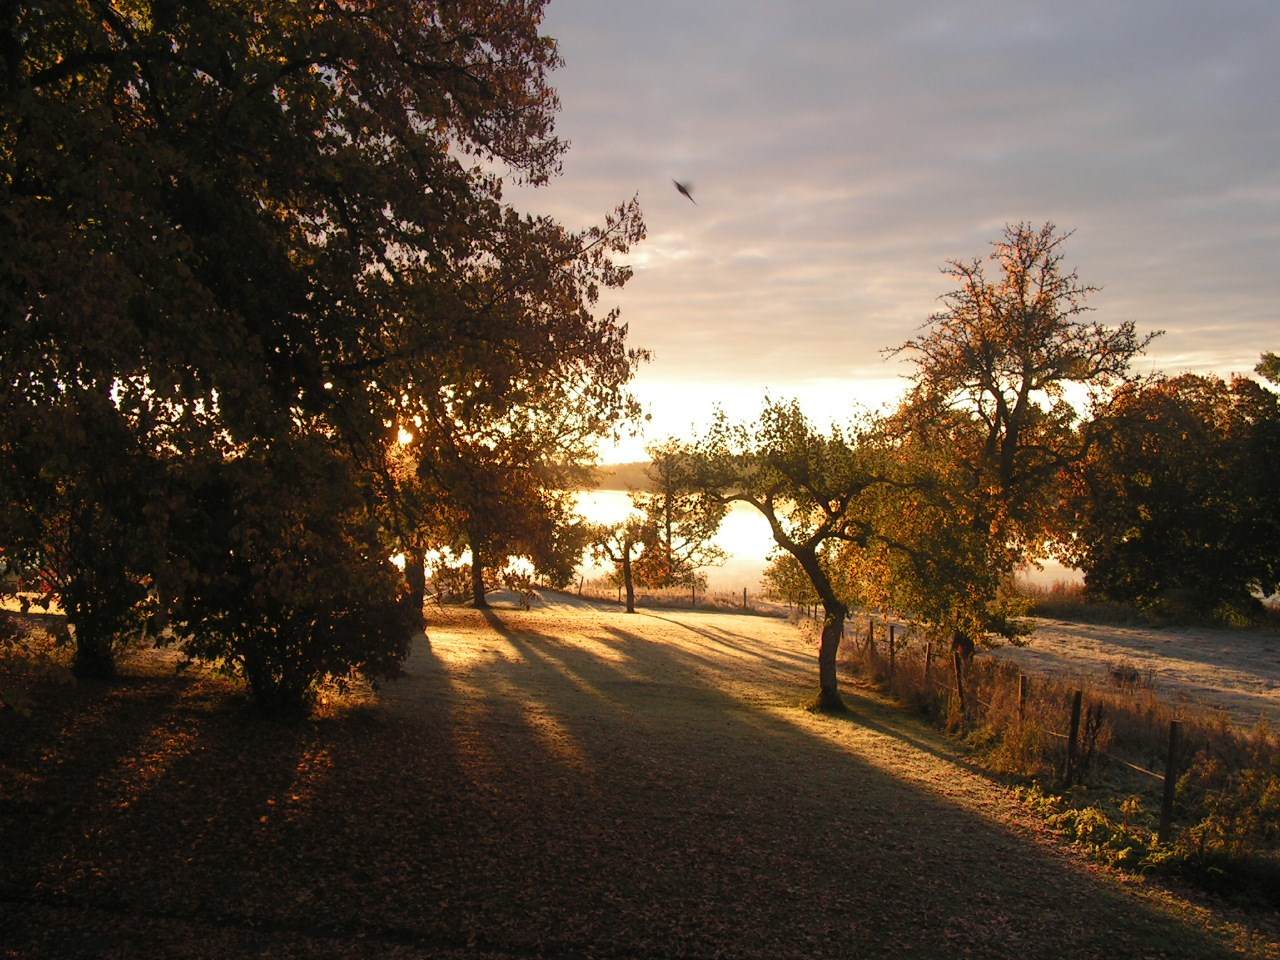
x: 289, y: 586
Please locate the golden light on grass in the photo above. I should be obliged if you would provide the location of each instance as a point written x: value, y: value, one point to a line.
x: 313, y: 769
x: 142, y: 770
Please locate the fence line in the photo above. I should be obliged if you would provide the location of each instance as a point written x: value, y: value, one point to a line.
x: 1074, y: 763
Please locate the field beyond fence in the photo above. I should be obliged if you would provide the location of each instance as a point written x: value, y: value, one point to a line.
x: 1146, y: 784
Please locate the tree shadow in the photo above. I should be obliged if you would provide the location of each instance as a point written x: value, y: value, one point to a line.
x: 594, y: 793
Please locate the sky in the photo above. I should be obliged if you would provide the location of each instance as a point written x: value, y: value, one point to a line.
x: 841, y: 151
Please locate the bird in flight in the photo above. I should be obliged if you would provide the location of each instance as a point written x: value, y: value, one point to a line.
x: 685, y: 188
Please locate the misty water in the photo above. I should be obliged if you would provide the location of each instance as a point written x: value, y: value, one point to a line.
x: 745, y: 537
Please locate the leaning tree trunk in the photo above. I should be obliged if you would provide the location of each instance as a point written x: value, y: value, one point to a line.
x: 834, y: 613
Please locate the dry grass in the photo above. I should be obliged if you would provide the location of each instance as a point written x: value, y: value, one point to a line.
x: 1226, y: 828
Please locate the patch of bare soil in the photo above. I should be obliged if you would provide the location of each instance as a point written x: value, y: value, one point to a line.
x: 1234, y: 671
x: 565, y: 781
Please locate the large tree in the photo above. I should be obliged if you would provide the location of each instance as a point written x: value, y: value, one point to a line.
x: 806, y: 483
x: 247, y: 223
x: 507, y: 432
x: 293, y: 586
x: 1177, y: 498
x: 995, y: 406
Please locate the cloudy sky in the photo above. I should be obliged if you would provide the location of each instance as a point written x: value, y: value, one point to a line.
x: 840, y: 152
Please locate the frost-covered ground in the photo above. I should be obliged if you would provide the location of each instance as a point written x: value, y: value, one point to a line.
x: 1233, y: 670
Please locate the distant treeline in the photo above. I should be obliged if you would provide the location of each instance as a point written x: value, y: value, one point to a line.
x: 624, y: 476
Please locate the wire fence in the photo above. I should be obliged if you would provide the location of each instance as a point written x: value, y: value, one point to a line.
x: 981, y: 691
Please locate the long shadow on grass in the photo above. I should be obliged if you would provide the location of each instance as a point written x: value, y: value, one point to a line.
x: 603, y: 795
x: 688, y: 819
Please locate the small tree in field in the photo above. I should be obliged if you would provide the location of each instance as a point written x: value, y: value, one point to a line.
x: 620, y: 544
x: 679, y: 522
x: 785, y: 580
x: 806, y: 484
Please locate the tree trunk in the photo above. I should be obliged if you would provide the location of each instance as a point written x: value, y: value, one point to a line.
x: 626, y: 578
x: 95, y: 655
x: 477, y: 578
x: 415, y: 578
x: 833, y: 617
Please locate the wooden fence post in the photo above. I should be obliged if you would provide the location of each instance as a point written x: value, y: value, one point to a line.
x: 958, y: 658
x: 1072, y: 736
x: 744, y: 598
x: 871, y: 638
x: 1022, y: 697
x: 928, y: 658
x: 892, y: 654
x: 1170, y: 784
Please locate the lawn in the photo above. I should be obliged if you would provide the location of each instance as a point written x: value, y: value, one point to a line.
x: 568, y: 781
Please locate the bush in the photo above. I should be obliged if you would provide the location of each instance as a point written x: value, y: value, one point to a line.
x: 288, y: 584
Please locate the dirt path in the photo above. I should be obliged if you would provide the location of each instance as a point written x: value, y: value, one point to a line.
x: 694, y: 801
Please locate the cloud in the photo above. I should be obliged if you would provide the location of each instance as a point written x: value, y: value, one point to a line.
x: 841, y: 153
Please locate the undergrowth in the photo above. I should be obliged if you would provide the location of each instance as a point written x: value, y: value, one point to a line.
x: 1224, y: 835
x: 1069, y: 600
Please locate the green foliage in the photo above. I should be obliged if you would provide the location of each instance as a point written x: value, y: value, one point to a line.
x: 1269, y: 367
x: 1232, y: 801
x: 1176, y: 499
x: 1230, y: 840
x: 785, y: 580
x: 1112, y: 835
x: 806, y: 483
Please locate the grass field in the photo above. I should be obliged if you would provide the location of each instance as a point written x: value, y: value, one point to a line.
x: 568, y: 781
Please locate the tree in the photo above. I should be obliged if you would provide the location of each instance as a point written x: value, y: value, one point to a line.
x: 989, y: 421
x: 1269, y: 367
x: 292, y: 585
x: 680, y: 523
x: 231, y: 221
x: 509, y: 435
x: 620, y: 544
x: 1177, y: 498
x: 806, y: 484
x: 241, y: 198
x: 73, y: 519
